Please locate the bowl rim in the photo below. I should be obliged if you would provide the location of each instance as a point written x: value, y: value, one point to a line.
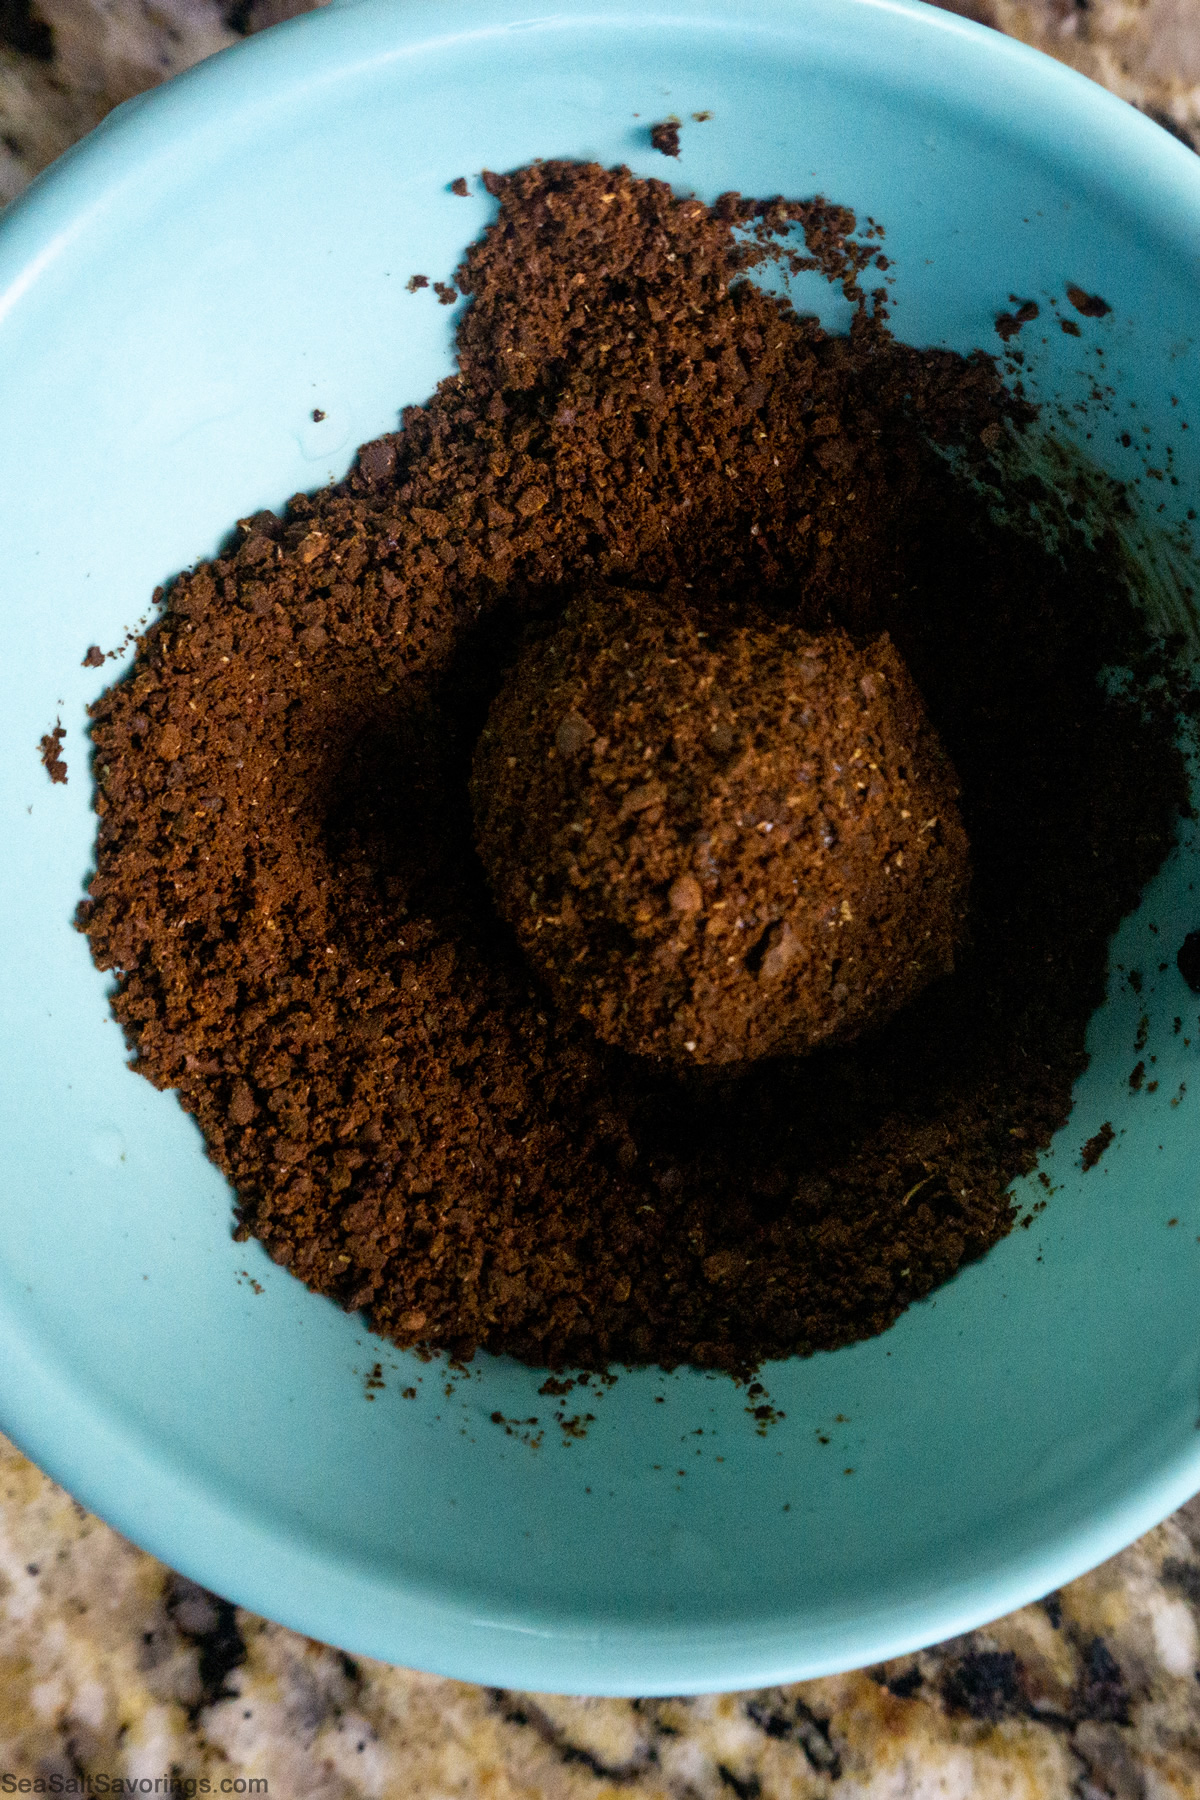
x: 101, y: 1458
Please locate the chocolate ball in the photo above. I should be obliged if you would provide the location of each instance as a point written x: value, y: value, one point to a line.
x: 715, y: 846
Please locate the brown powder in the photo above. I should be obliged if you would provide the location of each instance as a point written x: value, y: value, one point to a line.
x: 665, y: 137
x: 1095, y: 1147
x: 1009, y: 324
x: 720, y: 844
x: 49, y: 749
x: 1090, y: 305
x: 304, y: 940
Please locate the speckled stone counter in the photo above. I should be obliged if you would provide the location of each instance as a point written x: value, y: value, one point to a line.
x: 115, y: 1671
x: 110, y: 1665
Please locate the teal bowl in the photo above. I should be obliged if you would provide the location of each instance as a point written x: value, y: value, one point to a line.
x: 177, y: 296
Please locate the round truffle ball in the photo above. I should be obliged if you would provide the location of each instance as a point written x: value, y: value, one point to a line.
x: 719, y: 847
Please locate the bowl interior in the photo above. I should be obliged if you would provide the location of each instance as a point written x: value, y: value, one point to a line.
x: 176, y: 298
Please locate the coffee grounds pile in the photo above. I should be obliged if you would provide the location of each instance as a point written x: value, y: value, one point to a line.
x: 303, y: 937
x: 724, y: 844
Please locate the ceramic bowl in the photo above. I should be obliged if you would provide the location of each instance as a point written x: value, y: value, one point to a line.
x: 177, y: 296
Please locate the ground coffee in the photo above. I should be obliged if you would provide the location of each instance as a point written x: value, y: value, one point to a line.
x: 719, y: 844
x: 287, y: 888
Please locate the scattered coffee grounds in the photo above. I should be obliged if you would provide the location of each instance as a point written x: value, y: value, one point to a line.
x: 1095, y: 1147
x: 416, y: 282
x: 304, y: 940
x: 49, y: 748
x: 459, y: 186
x: 724, y: 844
x: 1090, y: 305
x: 1009, y: 324
x: 1188, y: 960
x: 665, y: 137
x: 93, y: 657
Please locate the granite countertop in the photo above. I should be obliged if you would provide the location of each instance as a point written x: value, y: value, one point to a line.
x: 114, y: 1668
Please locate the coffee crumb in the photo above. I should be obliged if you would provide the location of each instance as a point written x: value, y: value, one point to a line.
x: 665, y: 137
x: 445, y: 293
x: 317, y: 415
x: 1095, y: 1147
x: 1009, y: 324
x: 416, y: 281
x: 94, y: 659
x: 49, y: 747
x: 459, y: 185
x: 1090, y: 305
